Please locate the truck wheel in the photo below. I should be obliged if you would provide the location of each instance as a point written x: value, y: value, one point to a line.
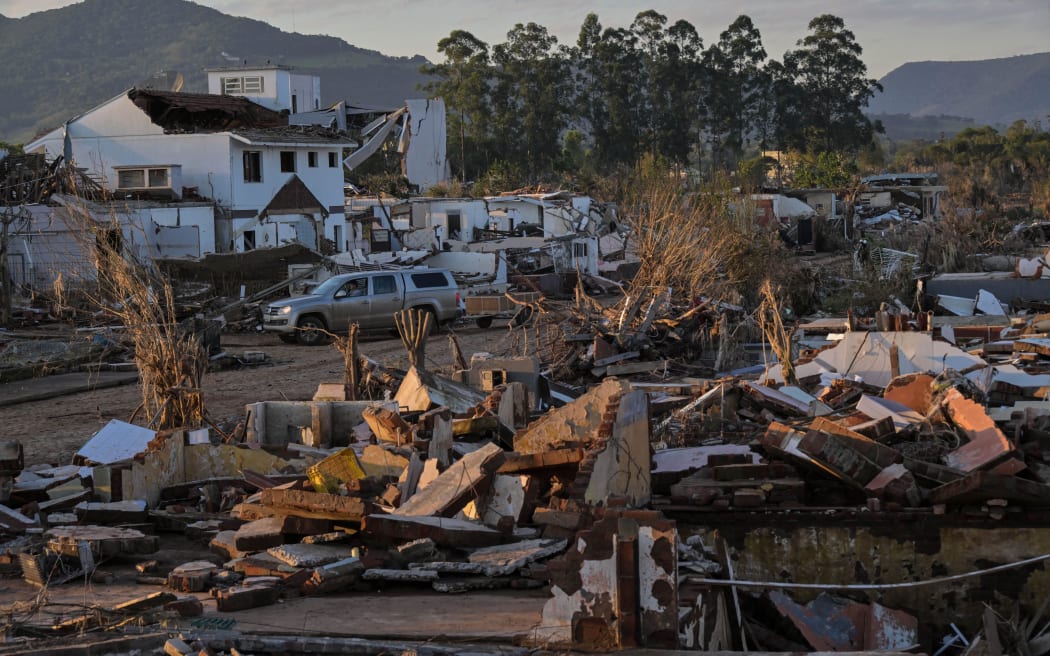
x: 309, y: 332
x: 483, y: 322
x: 287, y: 338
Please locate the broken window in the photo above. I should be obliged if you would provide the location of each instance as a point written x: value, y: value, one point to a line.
x: 249, y: 240
x: 332, y: 161
x: 455, y: 224
x: 288, y: 161
x: 579, y: 249
x: 311, y: 159
x: 252, y: 166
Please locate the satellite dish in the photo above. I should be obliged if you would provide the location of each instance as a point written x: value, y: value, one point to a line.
x: 164, y: 81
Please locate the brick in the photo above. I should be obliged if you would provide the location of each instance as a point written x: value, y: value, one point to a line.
x: 740, y: 472
x: 186, y: 607
x: 260, y: 534
x: 249, y: 596
x: 192, y: 577
x: 748, y: 498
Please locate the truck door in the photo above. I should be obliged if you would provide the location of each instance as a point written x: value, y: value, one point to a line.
x: 350, y: 303
x: 387, y: 298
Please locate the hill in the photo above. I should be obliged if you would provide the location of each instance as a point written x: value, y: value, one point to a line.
x: 989, y: 91
x: 55, y: 64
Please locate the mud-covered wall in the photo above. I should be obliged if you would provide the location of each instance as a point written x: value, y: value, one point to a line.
x: 886, y: 549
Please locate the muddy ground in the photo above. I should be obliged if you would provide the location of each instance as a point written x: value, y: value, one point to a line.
x: 52, y: 430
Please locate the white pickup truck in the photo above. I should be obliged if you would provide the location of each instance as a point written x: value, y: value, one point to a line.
x: 369, y: 298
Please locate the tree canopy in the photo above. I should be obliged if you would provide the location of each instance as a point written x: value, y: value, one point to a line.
x: 538, y: 108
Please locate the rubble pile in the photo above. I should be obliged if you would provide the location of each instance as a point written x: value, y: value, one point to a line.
x: 480, y: 482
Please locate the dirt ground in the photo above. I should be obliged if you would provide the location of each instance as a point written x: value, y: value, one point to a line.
x: 52, y: 430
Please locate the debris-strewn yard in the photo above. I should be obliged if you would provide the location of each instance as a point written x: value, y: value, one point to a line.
x: 289, y: 372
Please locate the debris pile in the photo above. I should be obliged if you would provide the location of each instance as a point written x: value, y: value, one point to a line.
x: 476, y: 482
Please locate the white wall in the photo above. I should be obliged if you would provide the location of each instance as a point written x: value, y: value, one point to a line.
x: 307, y: 89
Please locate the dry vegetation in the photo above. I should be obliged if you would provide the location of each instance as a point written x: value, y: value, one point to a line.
x: 169, y: 356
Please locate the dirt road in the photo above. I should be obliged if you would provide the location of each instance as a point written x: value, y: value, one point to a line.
x: 52, y: 430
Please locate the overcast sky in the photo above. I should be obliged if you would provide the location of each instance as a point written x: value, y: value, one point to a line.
x: 892, y: 32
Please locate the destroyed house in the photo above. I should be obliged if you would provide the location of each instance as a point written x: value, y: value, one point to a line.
x: 270, y: 183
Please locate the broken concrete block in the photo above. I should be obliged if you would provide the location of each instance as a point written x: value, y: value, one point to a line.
x: 186, y: 607
x: 513, y: 497
x: 260, y: 534
x: 105, y: 541
x: 572, y: 424
x: 422, y: 550
x: 748, y: 498
x: 444, y: 567
x: 315, y: 504
x: 400, y: 575
x: 248, y: 596
x: 114, y: 512
x: 531, y: 462
x: 621, y: 468
x: 895, y: 483
x: 334, y: 577
x: 987, y: 446
x: 224, y: 545
x: 442, y: 530
x: 430, y: 472
x: 388, y: 426
x: 192, y: 577
x: 308, y: 555
x: 457, y: 586
x: 441, y: 438
x: 176, y: 647
x: 421, y: 390
x: 450, y: 491
x: 506, y: 559
x: 381, y: 463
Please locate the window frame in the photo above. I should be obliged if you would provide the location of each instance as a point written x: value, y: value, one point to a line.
x: 256, y: 157
x: 291, y: 157
x: 311, y: 159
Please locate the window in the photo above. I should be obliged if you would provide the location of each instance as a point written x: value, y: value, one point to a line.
x: 337, y: 237
x: 455, y: 224
x: 295, y: 104
x: 428, y: 280
x: 131, y: 179
x: 232, y: 86
x: 332, y: 161
x: 311, y: 159
x: 579, y: 249
x: 249, y: 240
x: 159, y: 178
x: 384, y: 285
x: 288, y: 161
x: 252, y: 166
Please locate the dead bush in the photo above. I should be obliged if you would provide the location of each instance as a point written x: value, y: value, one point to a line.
x: 170, y: 358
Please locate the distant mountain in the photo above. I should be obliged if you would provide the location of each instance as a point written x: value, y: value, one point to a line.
x: 55, y: 64
x: 990, y: 91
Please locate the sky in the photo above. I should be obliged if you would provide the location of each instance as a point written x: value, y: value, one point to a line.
x: 891, y: 32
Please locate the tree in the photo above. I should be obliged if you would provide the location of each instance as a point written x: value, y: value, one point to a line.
x: 735, y: 89
x: 531, y: 98
x: 669, y: 72
x: 830, y: 76
x: 607, y: 91
x: 463, y: 81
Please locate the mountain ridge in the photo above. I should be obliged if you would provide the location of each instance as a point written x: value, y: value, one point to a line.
x: 990, y: 91
x: 97, y: 48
